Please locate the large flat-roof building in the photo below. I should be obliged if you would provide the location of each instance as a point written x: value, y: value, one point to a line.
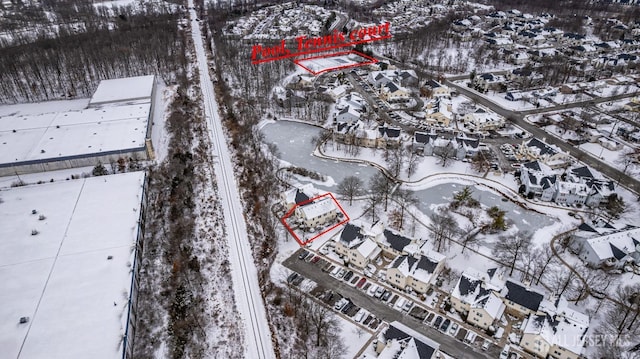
x: 115, y: 125
x: 69, y: 254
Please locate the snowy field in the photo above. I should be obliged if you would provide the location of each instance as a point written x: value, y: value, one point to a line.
x: 67, y: 267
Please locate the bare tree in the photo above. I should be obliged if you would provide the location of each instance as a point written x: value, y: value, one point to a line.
x: 469, y: 236
x: 404, y: 198
x: 412, y: 163
x: 373, y: 200
x: 445, y: 155
x: 350, y: 187
x: 541, y: 258
x: 480, y: 162
x: 394, y: 158
x: 444, y: 228
x: 510, y: 249
x: 381, y: 186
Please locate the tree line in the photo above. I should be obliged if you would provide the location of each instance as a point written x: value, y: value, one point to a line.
x: 71, y: 65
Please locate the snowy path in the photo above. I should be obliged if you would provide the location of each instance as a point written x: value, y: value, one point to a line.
x: 243, y: 270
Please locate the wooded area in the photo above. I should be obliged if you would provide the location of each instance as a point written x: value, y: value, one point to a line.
x: 71, y: 65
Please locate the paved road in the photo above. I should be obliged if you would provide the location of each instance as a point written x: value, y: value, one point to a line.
x: 248, y: 298
x: 517, y: 117
x: 448, y: 344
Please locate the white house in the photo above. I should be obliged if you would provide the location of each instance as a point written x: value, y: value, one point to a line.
x: 607, y: 246
x: 521, y: 300
x: 415, y: 271
x: 356, y: 246
x: 481, y: 120
x: 317, y: 213
x: 558, y: 333
x: 475, y: 295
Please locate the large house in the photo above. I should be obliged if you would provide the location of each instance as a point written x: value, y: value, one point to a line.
x: 557, y: 333
x: 550, y: 155
x: 481, y: 120
x: 316, y: 213
x: 476, y: 295
x: 400, y: 341
x: 356, y: 246
x: 606, y: 246
x: 415, y: 271
x: 392, y: 92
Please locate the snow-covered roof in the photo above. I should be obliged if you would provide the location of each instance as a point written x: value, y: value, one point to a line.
x: 565, y: 331
x: 417, y: 346
x: 62, y: 279
x: 492, y: 304
x: 124, y: 89
x: 50, y: 136
x: 299, y: 194
x: 474, y: 285
x: 615, y: 245
x: 318, y: 208
x: 368, y: 248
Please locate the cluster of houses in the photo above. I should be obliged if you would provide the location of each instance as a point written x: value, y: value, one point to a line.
x: 392, y: 84
x: 412, y: 265
x: 280, y: 21
x: 601, y: 245
x: 550, y: 327
x: 576, y: 186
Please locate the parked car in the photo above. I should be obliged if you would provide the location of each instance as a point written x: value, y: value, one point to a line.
x: 385, y: 297
x: 341, y: 273
x: 379, y: 292
x: 303, y: 255
x: 315, y: 259
x: 341, y: 303
x: 361, y: 282
x: 438, y: 321
x: 348, y: 275
x: 445, y: 325
x: 453, y: 329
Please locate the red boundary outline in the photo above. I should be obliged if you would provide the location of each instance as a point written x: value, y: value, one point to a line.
x: 293, y: 233
x: 296, y: 54
x: 371, y: 61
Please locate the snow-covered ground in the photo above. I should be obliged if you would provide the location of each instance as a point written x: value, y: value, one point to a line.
x: 258, y: 341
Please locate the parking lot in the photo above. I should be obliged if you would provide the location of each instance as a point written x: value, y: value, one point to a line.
x: 368, y: 302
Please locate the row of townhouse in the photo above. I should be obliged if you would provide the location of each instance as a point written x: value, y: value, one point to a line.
x: 413, y: 265
x: 576, y: 186
x: 551, y: 328
x: 357, y: 134
x: 429, y: 144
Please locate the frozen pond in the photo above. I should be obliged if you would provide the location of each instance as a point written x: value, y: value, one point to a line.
x: 293, y: 140
x: 524, y: 219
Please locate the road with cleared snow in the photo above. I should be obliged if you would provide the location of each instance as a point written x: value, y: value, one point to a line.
x: 248, y: 298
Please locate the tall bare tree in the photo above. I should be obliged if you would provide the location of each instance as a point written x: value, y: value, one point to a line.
x: 509, y: 249
x: 443, y: 228
x: 350, y: 187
